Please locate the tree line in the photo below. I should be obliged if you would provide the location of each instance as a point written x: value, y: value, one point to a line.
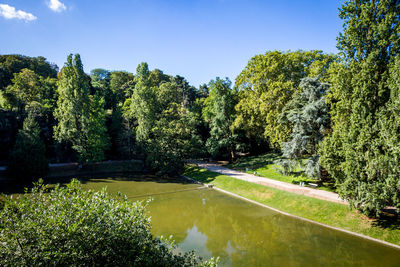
x: 337, y: 115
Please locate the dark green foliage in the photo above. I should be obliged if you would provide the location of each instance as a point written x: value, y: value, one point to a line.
x: 100, y: 81
x: 81, y: 116
x: 68, y: 226
x: 188, y: 92
x: 219, y: 112
x: 308, y: 114
x: 362, y: 148
x: 157, y: 77
x: 119, y: 81
x: 10, y: 64
x: 28, y: 158
x: 166, y: 129
x: 174, y: 138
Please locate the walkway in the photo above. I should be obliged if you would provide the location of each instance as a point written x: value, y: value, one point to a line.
x: 311, y: 192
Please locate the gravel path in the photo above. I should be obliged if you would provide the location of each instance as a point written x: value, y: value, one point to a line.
x: 302, y: 190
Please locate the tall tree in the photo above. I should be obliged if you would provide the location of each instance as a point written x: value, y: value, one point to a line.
x: 219, y: 112
x: 309, y: 115
x: 362, y: 97
x: 267, y: 84
x: 165, y: 127
x: 143, y: 104
x: 174, y: 138
x: 81, y: 117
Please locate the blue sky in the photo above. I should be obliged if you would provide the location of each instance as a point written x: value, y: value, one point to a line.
x: 197, y: 39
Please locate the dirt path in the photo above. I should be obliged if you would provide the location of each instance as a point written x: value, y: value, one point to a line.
x: 311, y: 192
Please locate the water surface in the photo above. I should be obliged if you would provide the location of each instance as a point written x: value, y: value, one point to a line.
x: 242, y: 233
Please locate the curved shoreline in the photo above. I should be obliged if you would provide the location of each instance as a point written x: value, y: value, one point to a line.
x: 298, y: 217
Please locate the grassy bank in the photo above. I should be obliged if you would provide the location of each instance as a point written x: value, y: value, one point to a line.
x: 387, y: 229
x: 265, y: 167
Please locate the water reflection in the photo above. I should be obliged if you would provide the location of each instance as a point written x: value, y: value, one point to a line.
x: 244, y: 234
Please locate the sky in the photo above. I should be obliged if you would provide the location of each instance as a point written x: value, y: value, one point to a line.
x: 197, y: 39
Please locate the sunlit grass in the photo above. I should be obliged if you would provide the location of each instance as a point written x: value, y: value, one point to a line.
x: 264, y: 166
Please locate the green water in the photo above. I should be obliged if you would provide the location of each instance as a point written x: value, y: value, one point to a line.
x: 244, y: 234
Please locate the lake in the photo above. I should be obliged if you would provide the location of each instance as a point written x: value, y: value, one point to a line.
x: 241, y: 233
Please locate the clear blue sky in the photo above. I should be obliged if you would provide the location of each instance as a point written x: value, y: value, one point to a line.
x: 197, y: 39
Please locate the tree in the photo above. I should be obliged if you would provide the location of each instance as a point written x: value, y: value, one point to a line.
x: 28, y: 158
x: 69, y: 226
x: 165, y: 128
x: 157, y: 77
x: 100, y: 80
x: 143, y: 104
x: 25, y: 88
x: 31, y: 91
x: 118, y: 82
x: 11, y: 64
x: 81, y: 116
x: 219, y: 112
x: 309, y: 115
x: 362, y: 96
x: 267, y: 84
x: 174, y: 138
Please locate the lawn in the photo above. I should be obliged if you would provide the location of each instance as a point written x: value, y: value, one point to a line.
x: 337, y: 215
x: 265, y: 167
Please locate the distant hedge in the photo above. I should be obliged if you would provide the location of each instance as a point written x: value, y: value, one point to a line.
x: 67, y: 226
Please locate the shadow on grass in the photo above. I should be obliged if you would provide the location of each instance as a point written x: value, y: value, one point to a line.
x: 253, y: 162
x: 200, y: 175
x: 388, y: 222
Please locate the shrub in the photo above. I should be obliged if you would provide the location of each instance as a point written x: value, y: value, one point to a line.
x: 68, y: 226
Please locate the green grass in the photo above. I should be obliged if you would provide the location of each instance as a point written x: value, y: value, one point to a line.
x: 265, y: 167
x: 338, y: 215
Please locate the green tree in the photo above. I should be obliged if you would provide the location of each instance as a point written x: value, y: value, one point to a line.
x: 28, y: 158
x: 309, y: 115
x: 81, y: 116
x: 100, y: 81
x: 357, y: 151
x: 11, y: 64
x: 219, y: 112
x: 174, y: 138
x: 25, y: 88
x: 118, y: 85
x: 165, y: 127
x: 69, y: 226
x: 267, y: 84
x: 157, y: 77
x: 143, y: 104
x: 30, y: 92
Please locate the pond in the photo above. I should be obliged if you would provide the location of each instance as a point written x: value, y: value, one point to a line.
x: 241, y: 233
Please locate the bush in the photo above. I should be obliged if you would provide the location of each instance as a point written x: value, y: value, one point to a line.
x: 68, y: 226
x: 28, y: 157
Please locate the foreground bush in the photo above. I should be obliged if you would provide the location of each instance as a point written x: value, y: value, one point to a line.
x: 68, y: 226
